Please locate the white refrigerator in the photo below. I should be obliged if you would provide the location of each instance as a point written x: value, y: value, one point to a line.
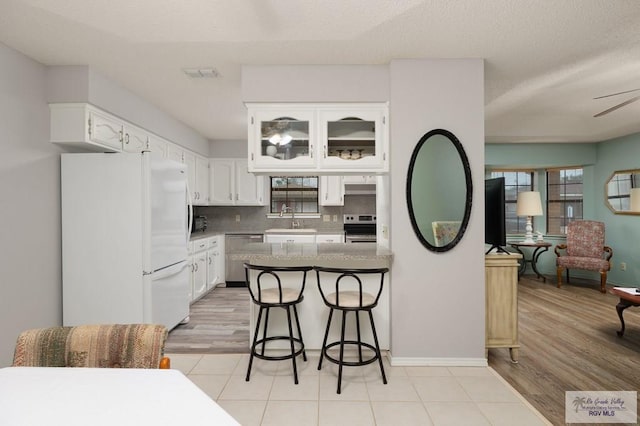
x: 125, y: 220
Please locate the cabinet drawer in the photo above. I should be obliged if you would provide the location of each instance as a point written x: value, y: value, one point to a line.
x: 199, y: 245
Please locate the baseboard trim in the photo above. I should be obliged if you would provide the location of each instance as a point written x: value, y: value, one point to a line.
x: 437, y: 362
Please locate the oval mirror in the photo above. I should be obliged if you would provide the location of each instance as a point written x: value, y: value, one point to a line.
x: 622, y: 192
x: 439, y: 190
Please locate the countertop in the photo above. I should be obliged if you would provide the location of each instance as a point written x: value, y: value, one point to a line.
x: 320, y: 254
x: 208, y: 234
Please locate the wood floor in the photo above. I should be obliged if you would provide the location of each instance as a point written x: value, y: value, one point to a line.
x: 567, y: 336
x: 219, y: 323
x: 568, y: 342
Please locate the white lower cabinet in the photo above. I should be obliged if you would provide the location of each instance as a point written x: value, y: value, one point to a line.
x: 198, y: 262
x: 215, y: 262
x: 289, y: 238
x: 330, y: 238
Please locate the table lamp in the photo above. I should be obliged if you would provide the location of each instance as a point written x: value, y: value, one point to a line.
x: 529, y: 205
x: 634, y: 200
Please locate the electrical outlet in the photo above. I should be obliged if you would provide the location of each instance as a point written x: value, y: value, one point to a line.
x: 237, y: 218
x: 326, y: 218
x: 623, y: 266
x: 335, y: 217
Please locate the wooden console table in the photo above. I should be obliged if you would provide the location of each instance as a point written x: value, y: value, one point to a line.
x: 501, y: 304
x: 626, y: 300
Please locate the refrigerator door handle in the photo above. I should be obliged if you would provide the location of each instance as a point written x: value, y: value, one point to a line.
x: 190, y: 215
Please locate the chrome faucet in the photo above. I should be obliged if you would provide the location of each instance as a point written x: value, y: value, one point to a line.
x: 294, y: 222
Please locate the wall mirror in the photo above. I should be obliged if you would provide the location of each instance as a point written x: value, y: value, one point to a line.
x: 439, y: 190
x: 622, y: 192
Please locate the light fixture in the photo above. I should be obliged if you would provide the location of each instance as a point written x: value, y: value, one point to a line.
x: 280, y: 139
x: 634, y: 200
x: 529, y: 205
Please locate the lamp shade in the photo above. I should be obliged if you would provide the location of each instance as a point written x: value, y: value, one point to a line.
x: 634, y: 200
x: 529, y: 204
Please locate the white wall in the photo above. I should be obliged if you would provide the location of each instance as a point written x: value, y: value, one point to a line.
x: 228, y: 149
x: 30, y: 252
x: 30, y: 235
x: 315, y: 83
x: 437, y: 299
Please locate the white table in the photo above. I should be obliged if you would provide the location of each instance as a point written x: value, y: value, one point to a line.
x: 104, y: 396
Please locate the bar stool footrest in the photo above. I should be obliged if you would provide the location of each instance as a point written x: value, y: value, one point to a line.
x: 374, y: 358
x: 297, y: 342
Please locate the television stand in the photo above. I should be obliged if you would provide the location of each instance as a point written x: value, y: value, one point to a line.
x: 499, y: 249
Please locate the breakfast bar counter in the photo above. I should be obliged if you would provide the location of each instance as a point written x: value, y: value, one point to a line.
x: 314, y: 254
x: 312, y: 311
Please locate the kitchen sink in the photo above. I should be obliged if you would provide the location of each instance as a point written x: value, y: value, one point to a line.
x: 290, y: 231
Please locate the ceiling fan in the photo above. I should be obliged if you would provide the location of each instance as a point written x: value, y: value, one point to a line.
x: 620, y: 105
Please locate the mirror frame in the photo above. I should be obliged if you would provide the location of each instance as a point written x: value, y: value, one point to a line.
x: 469, y: 187
x: 606, y: 192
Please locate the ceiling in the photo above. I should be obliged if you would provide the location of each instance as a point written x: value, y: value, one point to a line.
x: 545, y: 60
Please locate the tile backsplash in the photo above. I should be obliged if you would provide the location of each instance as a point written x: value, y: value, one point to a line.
x: 254, y: 219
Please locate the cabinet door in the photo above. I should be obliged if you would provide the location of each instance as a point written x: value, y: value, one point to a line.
x: 356, y: 179
x: 290, y: 238
x: 352, y: 139
x: 249, y: 187
x: 175, y: 153
x: 106, y: 130
x: 330, y: 238
x: 135, y: 139
x: 221, y: 182
x: 202, y: 180
x: 159, y: 147
x: 219, y: 260
x: 190, y: 160
x: 199, y: 274
x: 214, y: 272
x: 331, y: 191
x: 281, y: 138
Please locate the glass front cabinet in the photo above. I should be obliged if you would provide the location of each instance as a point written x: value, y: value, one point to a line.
x: 303, y: 138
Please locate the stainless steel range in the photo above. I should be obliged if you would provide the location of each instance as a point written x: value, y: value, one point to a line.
x: 360, y: 228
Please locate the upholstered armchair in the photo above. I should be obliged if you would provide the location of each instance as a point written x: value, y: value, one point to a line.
x: 584, y: 249
x: 109, y: 346
x: 445, y: 231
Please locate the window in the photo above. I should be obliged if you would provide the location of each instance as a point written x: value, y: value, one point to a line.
x: 514, y: 181
x: 564, y: 199
x: 619, y: 190
x: 298, y: 192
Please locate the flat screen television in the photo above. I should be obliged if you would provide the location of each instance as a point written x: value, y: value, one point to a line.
x: 495, y: 232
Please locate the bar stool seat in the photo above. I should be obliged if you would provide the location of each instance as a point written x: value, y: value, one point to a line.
x: 346, y: 291
x: 267, y: 291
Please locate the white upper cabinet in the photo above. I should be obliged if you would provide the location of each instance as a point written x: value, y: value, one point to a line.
x: 282, y: 138
x: 231, y: 183
x: 331, y: 191
x: 353, y: 140
x: 198, y: 177
x: 134, y: 139
x: 318, y: 138
x: 85, y: 127
x: 159, y: 147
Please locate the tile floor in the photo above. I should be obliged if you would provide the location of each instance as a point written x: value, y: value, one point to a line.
x: 413, y: 396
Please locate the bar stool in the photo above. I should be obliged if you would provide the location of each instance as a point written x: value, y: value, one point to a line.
x: 344, y: 290
x: 267, y: 291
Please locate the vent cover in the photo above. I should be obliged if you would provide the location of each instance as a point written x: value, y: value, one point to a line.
x: 201, y: 72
